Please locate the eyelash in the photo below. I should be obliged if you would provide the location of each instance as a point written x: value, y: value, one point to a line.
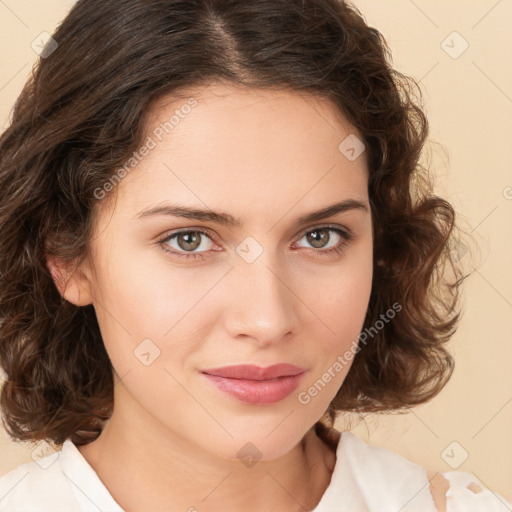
x: 346, y: 236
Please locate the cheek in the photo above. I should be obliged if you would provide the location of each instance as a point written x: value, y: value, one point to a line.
x: 340, y: 311
x: 141, y: 301
x: 339, y: 295
x: 346, y: 302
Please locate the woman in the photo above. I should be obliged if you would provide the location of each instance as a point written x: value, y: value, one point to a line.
x: 206, y: 204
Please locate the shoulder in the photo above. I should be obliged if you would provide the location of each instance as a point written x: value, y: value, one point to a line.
x: 382, y: 462
x: 28, y: 487
x: 455, y: 491
x: 384, y: 476
x: 378, y: 479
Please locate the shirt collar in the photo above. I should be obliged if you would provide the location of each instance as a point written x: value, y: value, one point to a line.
x: 89, y: 490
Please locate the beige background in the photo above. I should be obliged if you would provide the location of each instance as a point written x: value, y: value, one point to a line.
x: 469, y: 103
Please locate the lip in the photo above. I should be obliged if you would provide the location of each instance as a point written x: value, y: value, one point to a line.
x: 253, y: 372
x: 254, y: 384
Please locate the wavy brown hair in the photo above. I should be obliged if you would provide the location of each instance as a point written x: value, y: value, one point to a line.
x: 82, y: 113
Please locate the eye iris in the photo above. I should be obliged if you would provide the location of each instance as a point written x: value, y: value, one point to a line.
x: 318, y: 237
x: 191, y: 239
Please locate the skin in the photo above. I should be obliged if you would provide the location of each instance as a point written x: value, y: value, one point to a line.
x: 266, y: 157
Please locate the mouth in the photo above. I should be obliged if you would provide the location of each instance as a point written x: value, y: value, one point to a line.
x: 253, y: 372
x: 254, y: 384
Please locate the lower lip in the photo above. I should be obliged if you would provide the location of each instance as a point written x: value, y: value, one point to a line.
x: 257, y: 392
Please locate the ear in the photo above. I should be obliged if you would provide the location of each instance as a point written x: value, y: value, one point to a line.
x: 74, y: 284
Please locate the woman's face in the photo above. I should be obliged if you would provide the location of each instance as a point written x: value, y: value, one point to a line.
x: 267, y: 289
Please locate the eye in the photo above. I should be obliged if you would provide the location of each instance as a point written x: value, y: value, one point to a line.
x: 320, y: 237
x: 192, y: 243
x: 187, y: 241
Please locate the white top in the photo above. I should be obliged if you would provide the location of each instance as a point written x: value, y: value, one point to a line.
x: 366, y: 478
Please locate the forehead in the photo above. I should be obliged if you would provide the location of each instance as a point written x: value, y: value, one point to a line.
x: 238, y: 149
x: 251, y: 116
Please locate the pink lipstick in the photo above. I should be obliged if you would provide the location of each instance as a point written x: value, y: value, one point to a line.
x: 254, y: 384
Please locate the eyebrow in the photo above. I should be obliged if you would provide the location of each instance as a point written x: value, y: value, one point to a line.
x: 226, y: 219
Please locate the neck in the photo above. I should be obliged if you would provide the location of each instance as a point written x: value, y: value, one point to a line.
x: 159, y: 468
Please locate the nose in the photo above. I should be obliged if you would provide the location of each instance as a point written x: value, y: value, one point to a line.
x: 261, y: 305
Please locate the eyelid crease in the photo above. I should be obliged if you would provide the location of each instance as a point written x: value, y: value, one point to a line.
x: 346, y: 234
x: 192, y: 229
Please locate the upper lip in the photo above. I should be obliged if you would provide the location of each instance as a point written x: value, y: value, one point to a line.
x: 253, y: 372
